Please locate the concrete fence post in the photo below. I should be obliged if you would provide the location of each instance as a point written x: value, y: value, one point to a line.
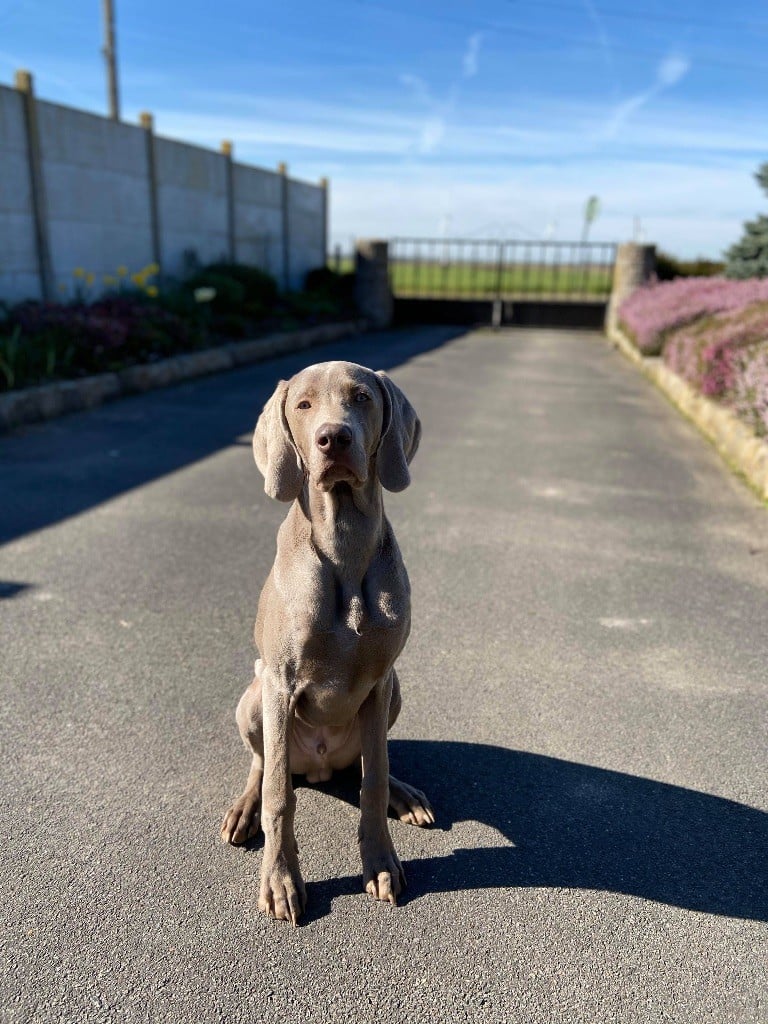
x: 635, y: 266
x: 147, y: 123
x: 226, y: 150
x: 373, y: 294
x: 282, y: 170
x: 25, y: 85
x: 324, y: 224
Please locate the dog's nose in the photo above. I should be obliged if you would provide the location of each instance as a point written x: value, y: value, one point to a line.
x: 332, y: 438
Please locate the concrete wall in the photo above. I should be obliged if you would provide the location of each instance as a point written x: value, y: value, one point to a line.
x: 97, y: 203
x: 259, y: 218
x: 192, y: 203
x: 97, y: 193
x: 18, y: 255
x: 305, y: 211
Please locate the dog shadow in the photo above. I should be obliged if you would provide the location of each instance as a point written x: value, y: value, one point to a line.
x: 568, y: 825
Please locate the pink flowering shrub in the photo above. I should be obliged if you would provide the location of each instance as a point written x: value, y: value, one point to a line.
x: 713, y: 332
x: 652, y: 312
x: 726, y: 357
x: 749, y: 396
x: 707, y: 352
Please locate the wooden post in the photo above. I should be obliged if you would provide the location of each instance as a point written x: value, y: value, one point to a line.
x: 226, y: 149
x: 324, y: 229
x: 147, y: 123
x: 25, y: 85
x: 282, y: 170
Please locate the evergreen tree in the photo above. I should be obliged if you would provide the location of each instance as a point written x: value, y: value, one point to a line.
x: 749, y: 256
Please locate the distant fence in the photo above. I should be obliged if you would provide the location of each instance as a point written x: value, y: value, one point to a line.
x: 462, y: 268
x: 467, y: 280
x: 82, y: 191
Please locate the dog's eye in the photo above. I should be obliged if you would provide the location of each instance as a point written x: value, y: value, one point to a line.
x: 362, y: 396
x: 304, y: 405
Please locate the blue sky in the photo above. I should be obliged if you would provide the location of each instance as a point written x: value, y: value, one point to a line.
x: 489, y: 119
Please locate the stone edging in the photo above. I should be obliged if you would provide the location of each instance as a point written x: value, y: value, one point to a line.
x: 735, y: 442
x: 29, y: 405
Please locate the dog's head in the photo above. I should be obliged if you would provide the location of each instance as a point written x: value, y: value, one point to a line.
x: 335, y: 422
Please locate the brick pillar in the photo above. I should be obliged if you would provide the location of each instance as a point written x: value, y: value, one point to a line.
x: 373, y: 294
x: 635, y: 266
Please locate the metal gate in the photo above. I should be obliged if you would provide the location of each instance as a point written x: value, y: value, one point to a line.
x: 501, y: 270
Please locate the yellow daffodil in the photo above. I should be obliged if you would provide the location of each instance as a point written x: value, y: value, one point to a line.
x: 152, y: 292
x: 153, y: 268
x: 122, y: 271
x: 78, y: 272
x: 138, y: 280
x: 89, y: 279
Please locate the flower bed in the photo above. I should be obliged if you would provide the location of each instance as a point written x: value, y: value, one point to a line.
x: 713, y: 333
x: 650, y: 313
x: 140, y: 321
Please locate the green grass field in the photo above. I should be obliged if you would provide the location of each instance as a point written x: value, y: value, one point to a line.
x: 464, y: 280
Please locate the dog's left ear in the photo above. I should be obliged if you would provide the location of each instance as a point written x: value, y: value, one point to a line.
x: 274, y: 451
x: 400, y: 436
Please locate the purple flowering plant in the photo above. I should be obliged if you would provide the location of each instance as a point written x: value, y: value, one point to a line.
x: 712, y: 332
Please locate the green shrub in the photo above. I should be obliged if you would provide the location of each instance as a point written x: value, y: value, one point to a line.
x: 669, y: 267
x: 327, y: 286
x: 231, y: 325
x: 230, y: 294
x: 259, y: 287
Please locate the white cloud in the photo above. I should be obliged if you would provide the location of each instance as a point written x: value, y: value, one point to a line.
x: 470, y: 60
x: 417, y: 86
x: 671, y: 70
x: 432, y: 134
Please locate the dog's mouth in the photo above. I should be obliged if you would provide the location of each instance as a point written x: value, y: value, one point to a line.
x: 337, y: 471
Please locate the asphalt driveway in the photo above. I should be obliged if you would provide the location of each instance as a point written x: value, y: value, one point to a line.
x: 584, y: 703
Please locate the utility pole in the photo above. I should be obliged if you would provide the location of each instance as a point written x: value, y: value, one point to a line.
x: 110, y: 56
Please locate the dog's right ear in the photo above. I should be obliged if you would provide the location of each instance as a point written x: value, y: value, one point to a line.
x: 274, y: 451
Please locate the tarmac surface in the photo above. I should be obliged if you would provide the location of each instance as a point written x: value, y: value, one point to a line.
x: 584, y: 703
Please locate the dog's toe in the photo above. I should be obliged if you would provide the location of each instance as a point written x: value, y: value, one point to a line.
x: 410, y: 804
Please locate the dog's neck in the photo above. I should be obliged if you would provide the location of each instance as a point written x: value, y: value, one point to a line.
x: 346, y: 523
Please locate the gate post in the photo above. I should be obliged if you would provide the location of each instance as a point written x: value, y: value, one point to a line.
x: 635, y: 266
x: 373, y: 294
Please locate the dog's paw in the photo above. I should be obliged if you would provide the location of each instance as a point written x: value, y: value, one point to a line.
x: 410, y: 804
x: 241, y: 822
x: 282, y: 893
x: 383, y: 875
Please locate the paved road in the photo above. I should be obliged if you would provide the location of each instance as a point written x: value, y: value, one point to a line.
x: 584, y: 703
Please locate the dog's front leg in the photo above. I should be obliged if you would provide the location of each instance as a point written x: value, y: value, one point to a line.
x: 282, y: 893
x: 383, y: 875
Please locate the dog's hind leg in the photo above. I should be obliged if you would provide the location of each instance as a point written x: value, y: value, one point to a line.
x: 241, y: 822
x: 408, y: 803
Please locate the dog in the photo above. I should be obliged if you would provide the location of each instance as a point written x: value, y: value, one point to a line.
x: 333, y: 616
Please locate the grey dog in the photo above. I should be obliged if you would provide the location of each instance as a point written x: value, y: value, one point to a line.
x: 333, y: 616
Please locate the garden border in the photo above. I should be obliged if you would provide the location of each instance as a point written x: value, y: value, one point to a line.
x: 739, y: 447
x: 47, y: 401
